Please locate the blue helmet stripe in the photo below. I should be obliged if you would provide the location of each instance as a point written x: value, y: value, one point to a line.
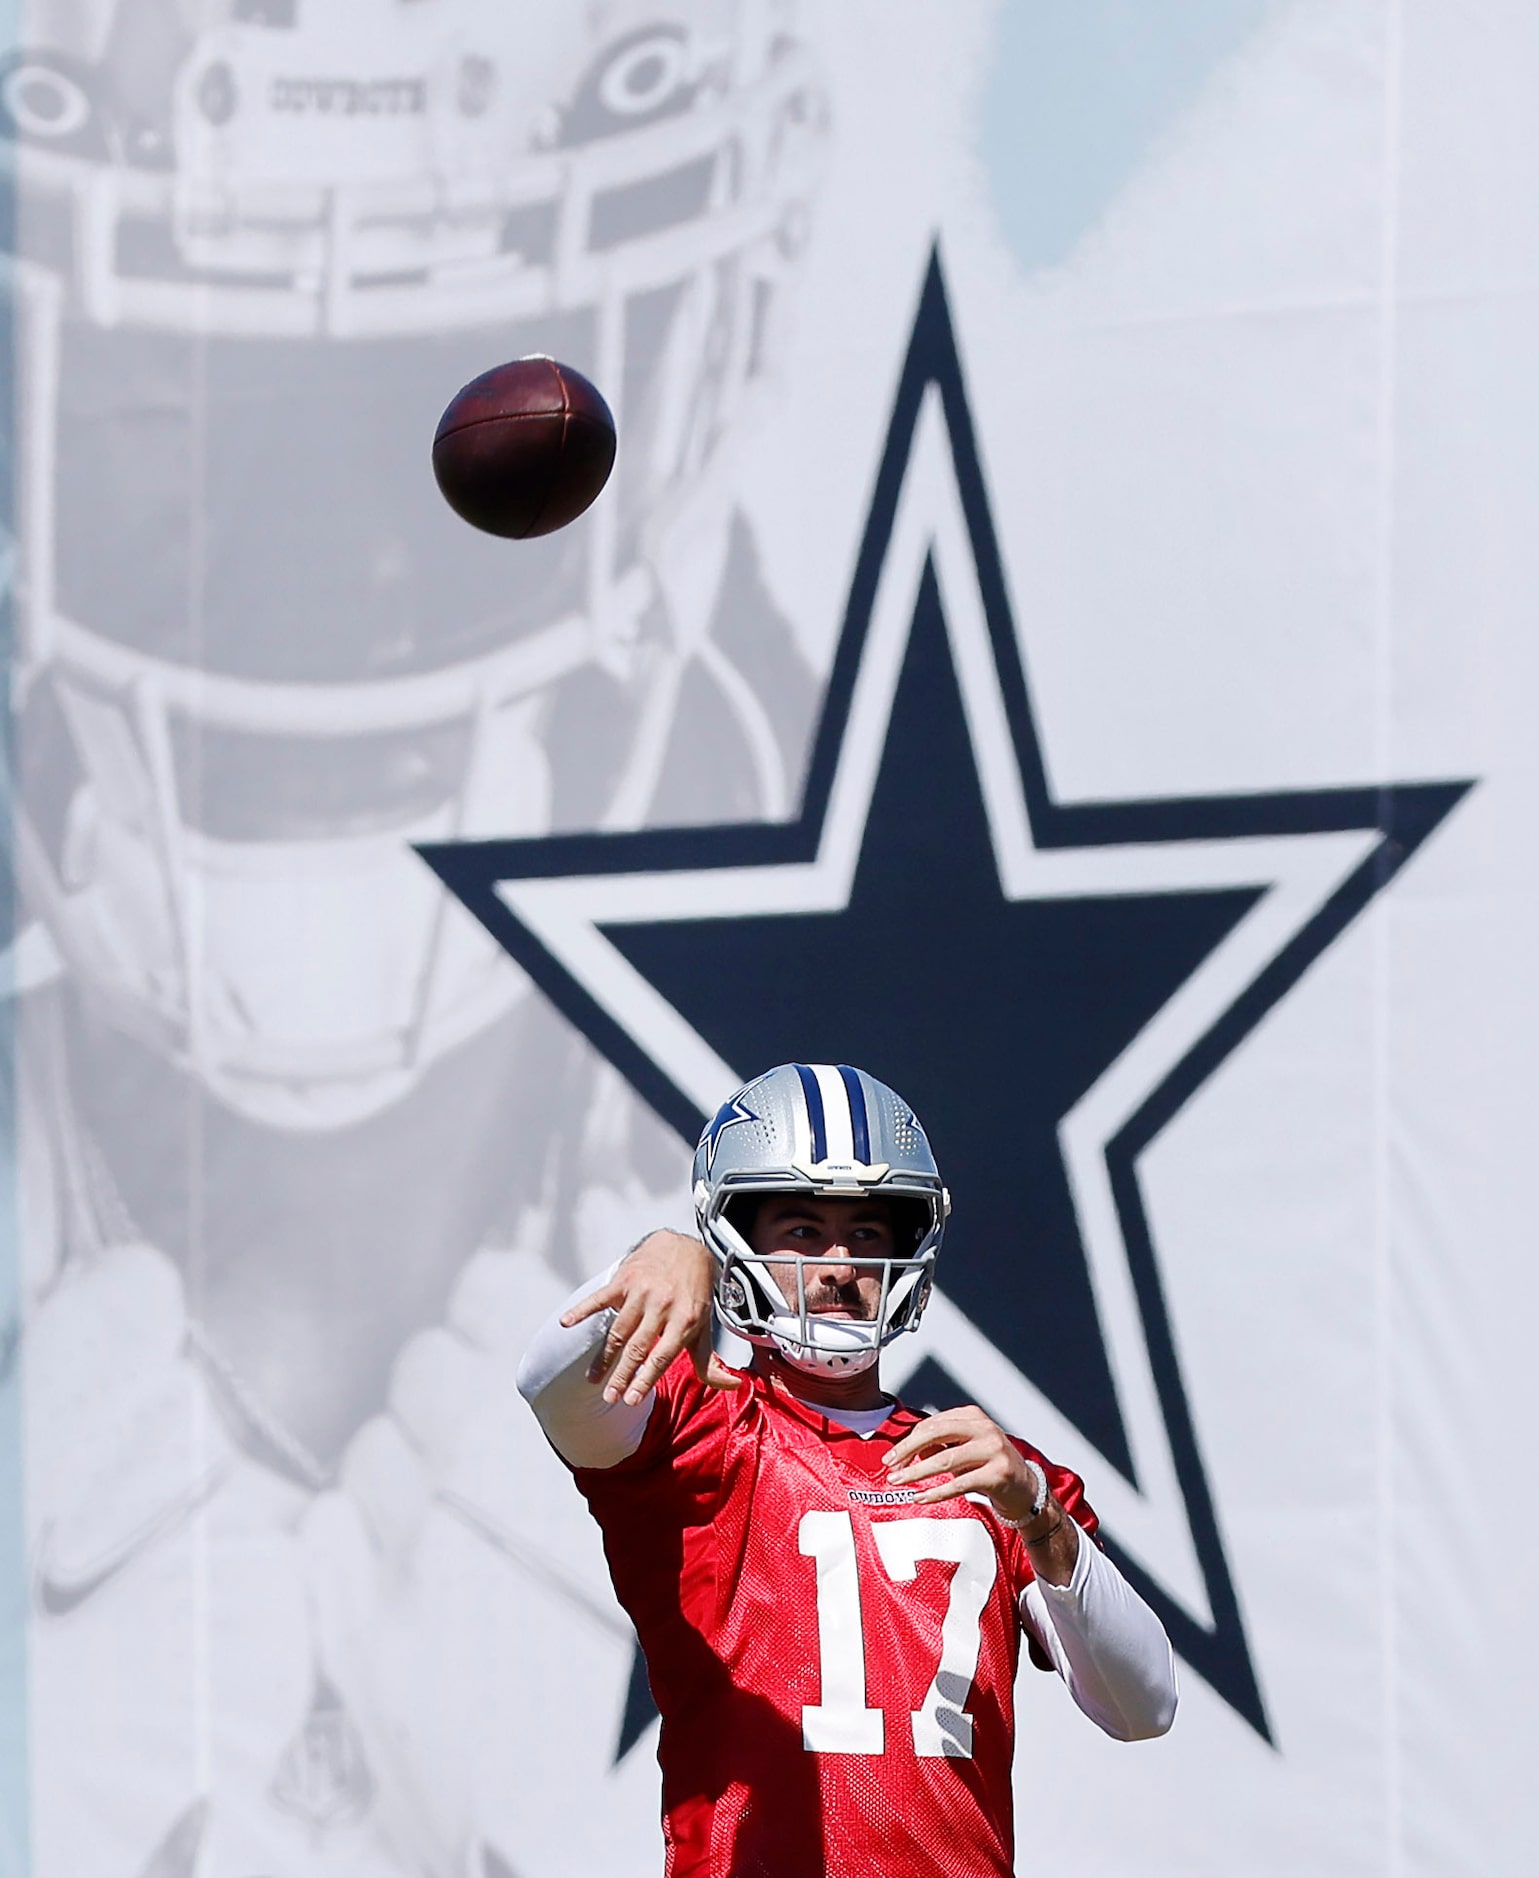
x: 813, y: 1096
x: 859, y: 1124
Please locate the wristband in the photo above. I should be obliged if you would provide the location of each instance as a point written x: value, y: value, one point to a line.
x: 1039, y: 1500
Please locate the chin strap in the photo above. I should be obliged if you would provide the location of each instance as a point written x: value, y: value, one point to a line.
x: 821, y: 1360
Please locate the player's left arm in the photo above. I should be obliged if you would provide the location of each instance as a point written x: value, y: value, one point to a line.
x: 1101, y: 1636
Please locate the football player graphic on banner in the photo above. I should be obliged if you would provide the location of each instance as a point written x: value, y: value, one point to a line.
x: 308, y: 1162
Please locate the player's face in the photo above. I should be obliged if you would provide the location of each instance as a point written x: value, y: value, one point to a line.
x: 827, y: 1237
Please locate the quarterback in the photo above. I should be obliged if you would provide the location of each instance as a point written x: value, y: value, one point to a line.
x: 830, y: 1588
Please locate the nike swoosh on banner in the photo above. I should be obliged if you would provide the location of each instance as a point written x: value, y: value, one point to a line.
x: 59, y: 1593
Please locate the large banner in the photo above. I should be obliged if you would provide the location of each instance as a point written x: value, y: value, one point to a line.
x: 1060, y: 634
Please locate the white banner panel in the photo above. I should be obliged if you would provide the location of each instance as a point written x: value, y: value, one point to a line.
x: 1059, y: 633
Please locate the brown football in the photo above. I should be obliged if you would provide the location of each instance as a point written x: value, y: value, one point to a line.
x: 523, y: 449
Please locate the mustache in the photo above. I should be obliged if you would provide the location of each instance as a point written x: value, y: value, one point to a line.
x: 838, y: 1297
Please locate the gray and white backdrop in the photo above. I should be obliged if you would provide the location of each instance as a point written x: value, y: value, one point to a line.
x: 1246, y: 297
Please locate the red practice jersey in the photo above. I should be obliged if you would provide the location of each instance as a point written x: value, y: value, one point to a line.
x: 833, y: 1664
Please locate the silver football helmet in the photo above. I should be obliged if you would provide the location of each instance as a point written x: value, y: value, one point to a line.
x: 836, y: 1133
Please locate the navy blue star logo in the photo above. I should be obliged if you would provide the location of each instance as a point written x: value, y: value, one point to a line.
x: 1048, y: 982
x: 727, y: 1116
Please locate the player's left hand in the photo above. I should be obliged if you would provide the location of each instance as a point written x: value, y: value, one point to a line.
x: 977, y: 1454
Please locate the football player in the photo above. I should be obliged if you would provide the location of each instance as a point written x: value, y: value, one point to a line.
x: 830, y: 1587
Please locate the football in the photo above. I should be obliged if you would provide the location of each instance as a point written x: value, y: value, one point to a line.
x: 524, y: 449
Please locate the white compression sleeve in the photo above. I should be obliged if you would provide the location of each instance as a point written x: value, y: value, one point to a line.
x: 1108, y: 1646
x: 582, y: 1427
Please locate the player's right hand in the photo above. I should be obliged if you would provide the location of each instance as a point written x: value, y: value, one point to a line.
x: 661, y: 1299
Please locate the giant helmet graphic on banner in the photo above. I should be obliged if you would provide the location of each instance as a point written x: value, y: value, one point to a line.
x: 235, y: 254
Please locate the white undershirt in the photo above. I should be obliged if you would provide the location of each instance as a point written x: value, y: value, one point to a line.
x: 864, y: 1422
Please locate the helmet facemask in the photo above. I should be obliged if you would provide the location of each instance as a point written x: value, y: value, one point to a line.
x: 755, y: 1301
